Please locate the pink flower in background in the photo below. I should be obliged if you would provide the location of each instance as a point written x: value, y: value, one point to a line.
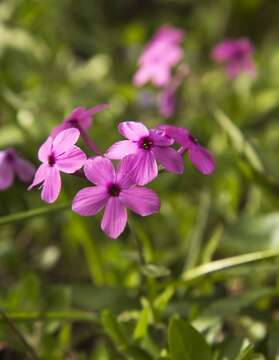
x: 237, y: 55
x: 80, y: 118
x: 201, y: 158
x: 145, y: 146
x: 12, y: 164
x: 158, y: 57
x: 59, y: 154
x: 113, y: 191
x: 167, y: 102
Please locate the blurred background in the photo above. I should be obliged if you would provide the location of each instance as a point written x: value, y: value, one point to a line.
x: 59, y: 272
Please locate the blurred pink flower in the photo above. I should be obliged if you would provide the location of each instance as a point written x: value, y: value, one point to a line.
x: 59, y: 154
x: 167, y: 102
x: 113, y: 191
x: 158, y: 57
x: 201, y: 158
x: 145, y: 146
x: 237, y: 55
x: 79, y: 118
x: 12, y: 164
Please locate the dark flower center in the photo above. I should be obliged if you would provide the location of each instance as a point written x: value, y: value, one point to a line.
x: 192, y: 138
x: 238, y: 55
x: 146, y: 143
x: 114, y: 190
x: 10, y: 157
x: 51, y: 160
x: 73, y: 122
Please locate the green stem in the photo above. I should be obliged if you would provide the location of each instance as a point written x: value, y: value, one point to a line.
x: 219, y: 265
x: 25, y: 215
x: 137, y: 241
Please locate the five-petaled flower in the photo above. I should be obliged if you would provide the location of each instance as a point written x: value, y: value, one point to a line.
x: 145, y: 147
x: 237, y: 55
x: 201, y: 158
x: 79, y: 118
x: 12, y: 164
x: 114, y: 191
x: 159, y: 56
x: 57, y: 155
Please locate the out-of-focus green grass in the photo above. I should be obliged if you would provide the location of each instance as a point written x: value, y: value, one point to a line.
x: 70, y: 291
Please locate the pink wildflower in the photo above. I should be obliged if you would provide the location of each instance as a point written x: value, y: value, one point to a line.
x: 12, y: 164
x: 79, y: 118
x: 59, y: 154
x: 158, y: 57
x: 201, y: 158
x: 113, y: 191
x: 237, y: 56
x: 167, y: 102
x: 146, y: 146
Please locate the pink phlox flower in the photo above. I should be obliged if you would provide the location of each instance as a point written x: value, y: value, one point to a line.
x: 237, y: 55
x: 114, y: 191
x: 57, y: 155
x: 201, y: 158
x: 79, y: 118
x: 158, y: 57
x: 146, y: 146
x: 167, y: 102
x: 12, y: 164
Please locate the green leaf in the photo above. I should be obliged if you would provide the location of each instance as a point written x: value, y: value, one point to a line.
x: 155, y: 271
x: 114, y: 329
x: 186, y: 343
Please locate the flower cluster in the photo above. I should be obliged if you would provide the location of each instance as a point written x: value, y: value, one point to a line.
x: 155, y: 65
x: 237, y: 55
x: 115, y: 189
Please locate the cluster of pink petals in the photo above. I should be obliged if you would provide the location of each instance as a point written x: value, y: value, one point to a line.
x: 200, y: 157
x: 237, y: 55
x: 79, y: 118
x: 57, y: 155
x: 12, y: 164
x: 145, y: 147
x: 159, y: 56
x: 114, y: 191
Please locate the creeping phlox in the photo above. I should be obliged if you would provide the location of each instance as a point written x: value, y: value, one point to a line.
x: 115, y: 189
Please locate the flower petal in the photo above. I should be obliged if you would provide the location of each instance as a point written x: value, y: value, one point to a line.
x: 141, y: 200
x: 45, y: 150
x: 170, y: 159
x: 71, y: 161
x: 121, y: 148
x: 58, y: 129
x: 6, y: 175
x: 89, y: 201
x: 94, y: 110
x: 124, y: 172
x: 202, y: 159
x: 180, y: 135
x: 51, y: 186
x: 24, y: 169
x: 115, y: 218
x: 99, y: 170
x: 160, y: 139
x: 40, y: 175
x: 132, y: 130
x: 65, y: 140
x: 144, y: 167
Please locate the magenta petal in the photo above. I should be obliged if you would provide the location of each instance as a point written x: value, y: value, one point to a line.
x: 202, y: 159
x: 45, y: 150
x: 132, y: 130
x: 51, y: 186
x: 58, y: 129
x: 170, y: 159
x: 124, y: 172
x: 89, y: 201
x: 24, y: 169
x: 180, y: 135
x: 40, y: 175
x: 144, y: 167
x: 140, y: 200
x: 99, y: 170
x: 115, y: 218
x: 94, y: 110
x: 6, y: 175
x: 65, y: 140
x: 71, y: 161
x: 121, y: 149
x: 160, y: 139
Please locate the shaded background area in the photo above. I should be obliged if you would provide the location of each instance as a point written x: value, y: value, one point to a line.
x: 56, y: 55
